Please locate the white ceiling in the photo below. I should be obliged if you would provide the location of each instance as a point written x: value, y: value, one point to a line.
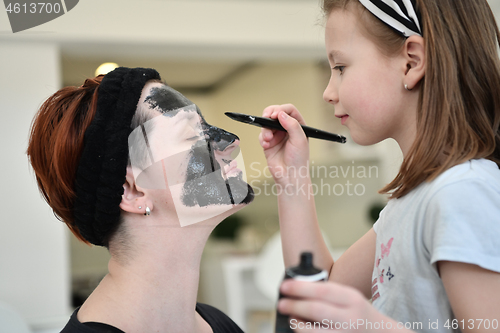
x: 195, y: 65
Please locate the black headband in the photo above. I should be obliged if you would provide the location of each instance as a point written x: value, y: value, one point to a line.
x: 103, y: 164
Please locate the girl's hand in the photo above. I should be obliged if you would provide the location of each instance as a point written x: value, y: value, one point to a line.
x: 332, y: 306
x: 285, y: 151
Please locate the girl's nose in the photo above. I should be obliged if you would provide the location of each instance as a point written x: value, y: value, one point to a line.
x: 330, y: 95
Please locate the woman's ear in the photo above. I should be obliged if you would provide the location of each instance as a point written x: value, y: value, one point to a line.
x: 414, y: 52
x: 134, y: 200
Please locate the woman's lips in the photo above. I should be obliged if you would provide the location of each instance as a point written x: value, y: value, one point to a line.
x: 231, y: 168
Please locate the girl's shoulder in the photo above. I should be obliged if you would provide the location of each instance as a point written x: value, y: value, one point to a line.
x: 469, y: 176
x: 475, y: 181
x: 461, y: 217
x: 469, y: 191
x: 465, y: 192
x: 481, y: 169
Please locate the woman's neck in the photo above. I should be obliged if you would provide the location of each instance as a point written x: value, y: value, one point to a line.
x: 156, y: 288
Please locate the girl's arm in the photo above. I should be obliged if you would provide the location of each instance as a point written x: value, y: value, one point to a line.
x: 299, y: 232
x: 287, y: 154
x: 354, y: 268
x: 473, y: 293
x: 299, y: 226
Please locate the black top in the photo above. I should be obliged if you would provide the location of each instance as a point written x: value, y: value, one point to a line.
x: 218, y: 321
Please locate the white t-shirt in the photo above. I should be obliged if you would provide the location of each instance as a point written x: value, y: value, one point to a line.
x: 456, y: 217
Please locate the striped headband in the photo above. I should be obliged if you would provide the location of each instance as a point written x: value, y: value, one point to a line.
x: 401, y: 15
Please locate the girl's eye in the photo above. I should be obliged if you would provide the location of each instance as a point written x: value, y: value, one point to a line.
x: 340, y: 69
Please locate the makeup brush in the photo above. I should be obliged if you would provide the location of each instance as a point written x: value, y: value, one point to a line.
x: 275, y: 124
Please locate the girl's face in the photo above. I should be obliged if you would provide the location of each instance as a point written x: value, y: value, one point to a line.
x: 366, y: 87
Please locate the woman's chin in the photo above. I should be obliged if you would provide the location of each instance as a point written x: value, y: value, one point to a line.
x: 212, y: 214
x: 240, y: 192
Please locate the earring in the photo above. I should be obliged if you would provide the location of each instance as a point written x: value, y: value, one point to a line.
x: 140, y: 207
x: 148, y: 211
x: 406, y: 87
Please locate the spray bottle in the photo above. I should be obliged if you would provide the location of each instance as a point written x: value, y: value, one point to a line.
x: 305, y: 271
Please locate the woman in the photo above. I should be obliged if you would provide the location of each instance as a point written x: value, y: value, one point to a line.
x: 130, y: 164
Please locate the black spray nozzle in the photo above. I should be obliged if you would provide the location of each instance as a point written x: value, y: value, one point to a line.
x: 306, y: 260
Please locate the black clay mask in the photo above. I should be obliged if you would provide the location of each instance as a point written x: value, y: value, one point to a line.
x: 205, y: 182
x: 179, y: 150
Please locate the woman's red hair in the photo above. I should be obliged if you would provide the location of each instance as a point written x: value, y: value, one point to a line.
x: 56, y: 143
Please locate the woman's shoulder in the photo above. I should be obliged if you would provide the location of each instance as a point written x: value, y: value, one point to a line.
x: 217, y: 319
x: 75, y: 326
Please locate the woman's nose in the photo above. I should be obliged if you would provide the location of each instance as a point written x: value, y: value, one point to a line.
x: 222, y: 140
x: 330, y: 95
x: 231, y: 149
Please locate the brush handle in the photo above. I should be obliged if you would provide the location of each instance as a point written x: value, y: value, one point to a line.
x: 309, y: 131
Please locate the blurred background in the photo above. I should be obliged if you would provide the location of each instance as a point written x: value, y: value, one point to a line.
x: 224, y: 55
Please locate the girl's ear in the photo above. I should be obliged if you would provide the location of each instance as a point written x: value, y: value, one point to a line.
x: 414, y: 52
x: 134, y: 200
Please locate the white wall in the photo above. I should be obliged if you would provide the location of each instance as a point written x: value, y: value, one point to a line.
x: 185, y: 28
x: 34, y: 270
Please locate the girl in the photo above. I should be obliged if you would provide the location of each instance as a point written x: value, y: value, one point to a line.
x: 129, y: 163
x: 427, y: 74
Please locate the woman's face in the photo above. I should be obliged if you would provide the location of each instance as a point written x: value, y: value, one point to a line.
x: 199, y: 164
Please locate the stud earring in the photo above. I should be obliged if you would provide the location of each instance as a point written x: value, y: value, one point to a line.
x: 148, y: 211
x: 140, y: 207
x: 406, y: 87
